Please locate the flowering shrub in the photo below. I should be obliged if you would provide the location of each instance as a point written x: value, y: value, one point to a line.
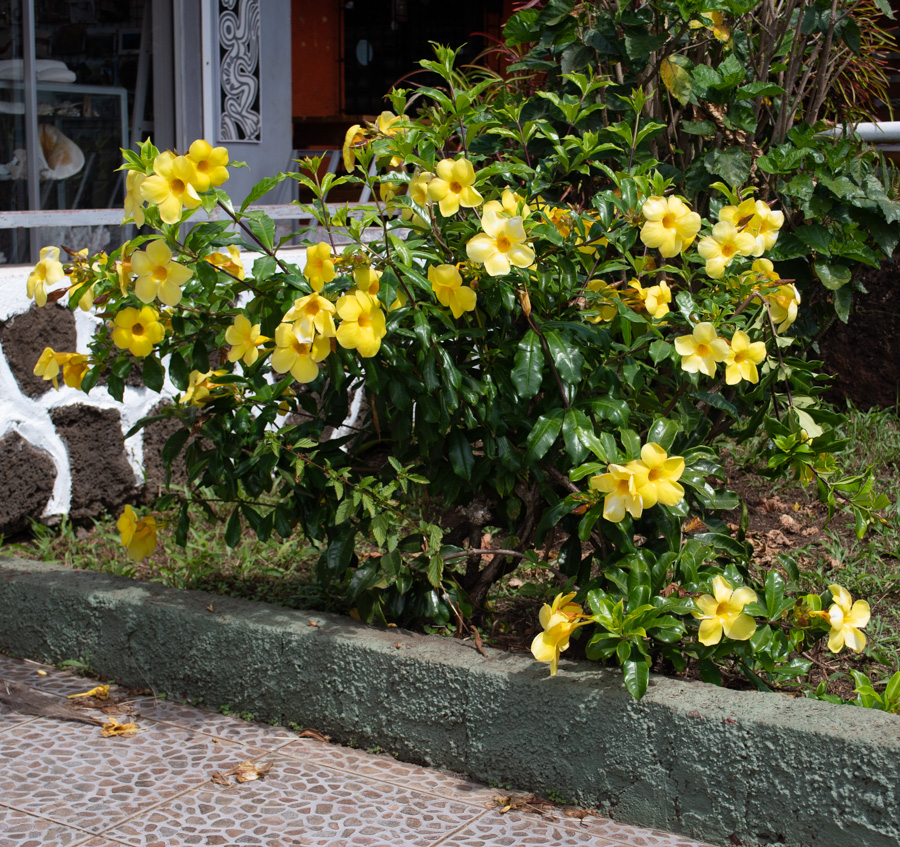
x: 566, y: 366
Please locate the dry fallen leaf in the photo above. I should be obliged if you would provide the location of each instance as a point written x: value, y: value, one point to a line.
x: 789, y: 523
x: 101, y: 692
x: 117, y: 729
x: 244, y: 772
x: 211, y: 607
x: 41, y: 673
x: 311, y: 622
x: 315, y: 734
x: 695, y: 525
x: 529, y: 803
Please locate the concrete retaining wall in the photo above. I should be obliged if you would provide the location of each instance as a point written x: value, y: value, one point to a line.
x: 736, y: 768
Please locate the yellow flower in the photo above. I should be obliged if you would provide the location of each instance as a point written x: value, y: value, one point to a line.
x: 715, y: 23
x: 454, y: 186
x: 846, y: 621
x: 319, y: 265
x: 209, y: 164
x: 137, y: 331
x: 765, y: 269
x: 621, y: 485
x: 172, y: 186
x: 558, y: 620
x: 758, y: 220
x: 783, y: 304
x: 231, y: 263
x: 158, y: 275
x: 657, y: 475
x: 605, y: 304
x: 354, y: 138
x: 701, y: 349
x: 366, y: 279
x: 670, y: 225
x: 134, y: 201
x: 48, y: 271
x: 297, y: 354
x: 314, y: 314
x: 446, y: 283
x: 656, y: 298
x: 501, y: 245
x: 86, y: 301
x: 514, y: 204
x: 720, y: 248
x: 742, y: 359
x: 362, y: 323
x: 723, y: 613
x: 138, y: 536
x: 386, y: 123
x: 74, y: 368
x: 200, y: 387
x: 48, y: 365
x: 418, y: 188
x: 244, y: 339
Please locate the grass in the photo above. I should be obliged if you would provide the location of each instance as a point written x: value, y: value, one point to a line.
x: 277, y: 571
x: 280, y: 571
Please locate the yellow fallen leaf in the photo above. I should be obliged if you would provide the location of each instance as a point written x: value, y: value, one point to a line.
x: 42, y: 673
x: 101, y: 692
x: 244, y: 772
x: 115, y: 728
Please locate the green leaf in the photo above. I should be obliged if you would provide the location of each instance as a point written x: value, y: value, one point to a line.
x: 833, y: 277
x: 174, y: 444
x: 774, y: 594
x: 233, y: 528
x: 435, y: 571
x: 815, y: 236
x: 566, y: 356
x: 572, y: 422
x: 462, y: 459
x: 637, y: 677
x: 262, y: 187
x: 758, y: 89
x: 334, y: 562
x: 262, y: 227
x: 675, y: 73
x: 885, y: 8
x: 663, y: 432
x: 732, y: 164
x: 528, y: 368
x: 178, y: 371
x: 705, y: 128
x: 153, y: 374
x: 543, y: 435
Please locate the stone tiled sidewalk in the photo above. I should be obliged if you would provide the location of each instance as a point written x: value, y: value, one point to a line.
x: 62, y: 784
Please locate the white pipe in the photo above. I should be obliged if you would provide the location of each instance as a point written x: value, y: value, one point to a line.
x: 883, y: 134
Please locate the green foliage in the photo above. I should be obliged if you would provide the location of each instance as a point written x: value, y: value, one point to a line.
x: 529, y: 337
x: 735, y: 94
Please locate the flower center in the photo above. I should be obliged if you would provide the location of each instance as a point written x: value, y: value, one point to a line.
x: 159, y: 274
x: 703, y: 351
x: 503, y: 244
x: 364, y: 321
x: 727, y: 251
x: 137, y: 329
x: 669, y: 221
x: 723, y: 609
x: 456, y: 187
x: 178, y: 186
